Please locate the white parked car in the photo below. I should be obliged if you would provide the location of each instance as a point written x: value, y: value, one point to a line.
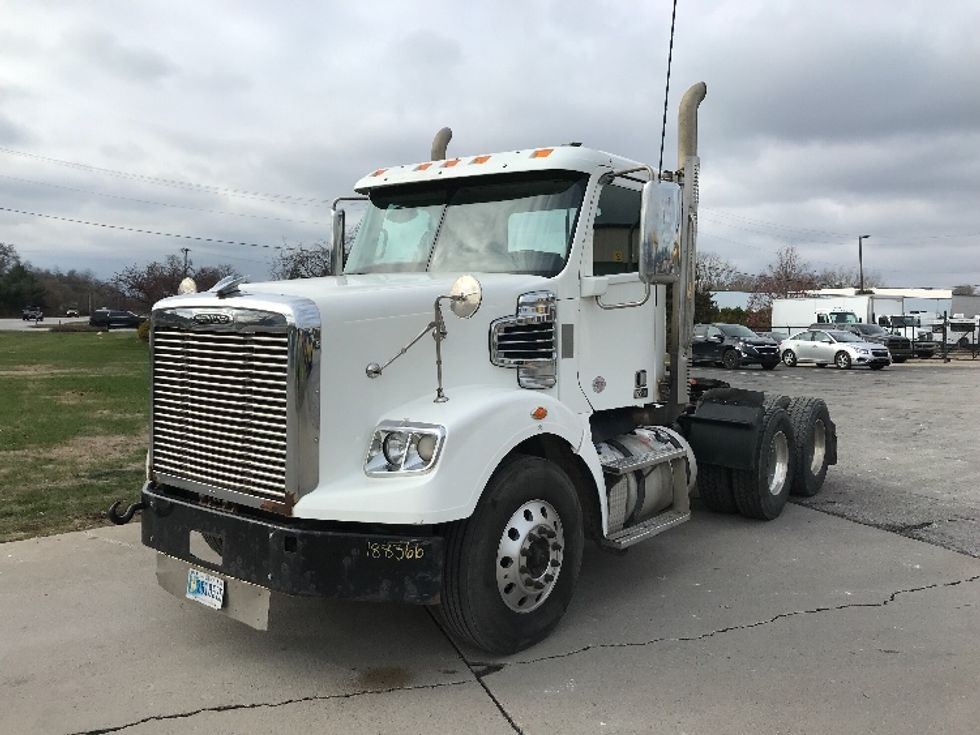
x: 833, y: 346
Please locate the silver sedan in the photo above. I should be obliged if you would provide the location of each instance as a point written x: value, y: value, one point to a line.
x: 833, y: 347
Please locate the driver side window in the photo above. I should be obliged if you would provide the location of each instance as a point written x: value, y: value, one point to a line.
x: 616, y: 232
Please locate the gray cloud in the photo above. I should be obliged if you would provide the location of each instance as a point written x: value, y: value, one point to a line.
x: 102, y: 51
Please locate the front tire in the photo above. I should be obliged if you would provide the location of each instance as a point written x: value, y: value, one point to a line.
x: 842, y: 360
x: 770, y: 365
x: 878, y: 365
x: 762, y: 492
x: 731, y: 359
x: 511, y: 567
x: 789, y: 358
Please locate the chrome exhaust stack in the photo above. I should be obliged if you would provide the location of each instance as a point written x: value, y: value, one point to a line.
x: 682, y: 317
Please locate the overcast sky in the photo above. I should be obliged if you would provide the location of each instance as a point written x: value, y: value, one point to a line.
x: 824, y: 120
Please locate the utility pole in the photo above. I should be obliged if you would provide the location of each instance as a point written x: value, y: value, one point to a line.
x: 185, y: 251
x: 861, y: 240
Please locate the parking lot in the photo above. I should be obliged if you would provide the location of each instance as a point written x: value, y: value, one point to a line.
x: 856, y: 611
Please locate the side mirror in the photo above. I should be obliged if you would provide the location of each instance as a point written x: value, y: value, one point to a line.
x: 338, y: 221
x: 466, y: 296
x: 660, y: 232
x: 719, y: 338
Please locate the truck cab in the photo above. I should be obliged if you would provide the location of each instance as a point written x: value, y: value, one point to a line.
x: 483, y: 386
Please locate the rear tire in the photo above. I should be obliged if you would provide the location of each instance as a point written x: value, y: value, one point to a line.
x: 789, y: 358
x: 505, y: 585
x: 842, y: 360
x: 813, y: 438
x: 762, y: 492
x: 731, y: 359
x: 715, y: 488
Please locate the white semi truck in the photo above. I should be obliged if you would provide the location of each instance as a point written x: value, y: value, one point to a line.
x: 793, y: 314
x: 484, y: 388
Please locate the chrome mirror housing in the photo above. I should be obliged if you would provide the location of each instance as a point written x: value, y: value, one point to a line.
x: 466, y: 295
x: 660, y: 232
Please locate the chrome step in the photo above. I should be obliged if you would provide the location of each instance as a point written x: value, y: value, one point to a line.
x: 625, y: 465
x: 650, y: 527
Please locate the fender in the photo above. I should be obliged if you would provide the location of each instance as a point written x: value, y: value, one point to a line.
x: 482, y: 426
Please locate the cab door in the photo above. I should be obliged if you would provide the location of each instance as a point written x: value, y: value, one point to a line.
x: 620, y: 330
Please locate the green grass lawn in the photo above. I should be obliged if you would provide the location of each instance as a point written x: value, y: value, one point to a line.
x: 74, y: 416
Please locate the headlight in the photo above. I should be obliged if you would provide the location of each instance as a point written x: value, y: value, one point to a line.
x: 404, y: 447
x: 862, y: 351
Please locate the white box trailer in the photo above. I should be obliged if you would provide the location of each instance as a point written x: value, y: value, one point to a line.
x: 793, y: 314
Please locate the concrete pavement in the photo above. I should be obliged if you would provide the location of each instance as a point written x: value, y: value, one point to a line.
x: 808, y: 624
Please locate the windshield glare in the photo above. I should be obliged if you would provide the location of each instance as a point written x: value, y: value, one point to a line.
x: 844, y: 337
x: 737, y: 330
x: 521, y: 223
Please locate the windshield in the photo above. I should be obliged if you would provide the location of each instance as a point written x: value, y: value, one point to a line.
x: 871, y: 329
x: 737, y: 330
x: 844, y: 336
x: 521, y: 223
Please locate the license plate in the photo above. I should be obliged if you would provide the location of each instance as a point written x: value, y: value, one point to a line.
x: 205, y: 588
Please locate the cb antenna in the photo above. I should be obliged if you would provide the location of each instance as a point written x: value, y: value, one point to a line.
x: 670, y: 58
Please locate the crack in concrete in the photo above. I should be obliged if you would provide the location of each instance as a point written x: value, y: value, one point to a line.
x: 904, y: 530
x: 260, y: 705
x: 492, y: 668
x: 484, y: 671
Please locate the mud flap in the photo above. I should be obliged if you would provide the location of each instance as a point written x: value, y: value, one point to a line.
x: 725, y: 427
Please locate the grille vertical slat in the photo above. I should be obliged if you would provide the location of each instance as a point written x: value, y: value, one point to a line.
x: 220, y: 409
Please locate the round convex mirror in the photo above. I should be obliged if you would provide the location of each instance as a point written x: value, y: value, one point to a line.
x: 467, y: 295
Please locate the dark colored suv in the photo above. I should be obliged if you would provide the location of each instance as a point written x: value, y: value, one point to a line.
x: 733, y: 345
x: 115, y: 318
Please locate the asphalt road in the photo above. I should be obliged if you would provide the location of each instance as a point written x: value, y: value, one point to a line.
x: 858, y: 614
x: 19, y: 325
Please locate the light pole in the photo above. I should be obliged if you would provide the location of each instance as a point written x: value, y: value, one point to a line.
x: 861, y: 240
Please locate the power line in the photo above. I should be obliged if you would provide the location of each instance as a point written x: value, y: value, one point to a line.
x: 141, y: 231
x: 161, y: 204
x: 159, y: 181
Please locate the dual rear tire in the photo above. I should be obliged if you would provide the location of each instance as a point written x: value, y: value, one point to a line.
x: 796, y: 445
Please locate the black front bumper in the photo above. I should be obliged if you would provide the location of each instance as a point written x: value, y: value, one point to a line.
x: 298, y: 557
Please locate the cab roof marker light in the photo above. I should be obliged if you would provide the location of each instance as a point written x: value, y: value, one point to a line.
x: 423, y: 166
x: 379, y: 172
x: 542, y: 152
x: 480, y: 159
x: 450, y: 163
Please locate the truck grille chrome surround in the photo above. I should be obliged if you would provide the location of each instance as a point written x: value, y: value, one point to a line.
x: 527, y: 341
x: 235, y: 400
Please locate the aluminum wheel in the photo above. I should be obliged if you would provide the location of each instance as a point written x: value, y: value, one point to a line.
x: 529, y: 556
x: 819, y: 446
x: 778, y: 464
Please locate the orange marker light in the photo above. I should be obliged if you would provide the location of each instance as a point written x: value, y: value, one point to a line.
x: 450, y: 164
x: 480, y: 159
x: 379, y: 172
x: 542, y: 153
x: 539, y: 413
x: 422, y: 166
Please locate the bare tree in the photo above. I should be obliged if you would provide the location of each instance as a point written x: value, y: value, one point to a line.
x: 302, y: 262
x: 143, y: 286
x: 788, y: 276
x: 714, y: 273
x: 844, y: 277
x: 964, y: 289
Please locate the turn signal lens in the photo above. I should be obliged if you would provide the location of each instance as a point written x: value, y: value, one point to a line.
x: 540, y: 413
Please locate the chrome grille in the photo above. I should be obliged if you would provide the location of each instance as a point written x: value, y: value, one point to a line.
x: 518, y: 344
x: 527, y: 341
x: 220, y: 409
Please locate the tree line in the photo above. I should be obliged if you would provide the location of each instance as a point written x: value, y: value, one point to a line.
x: 136, y: 287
